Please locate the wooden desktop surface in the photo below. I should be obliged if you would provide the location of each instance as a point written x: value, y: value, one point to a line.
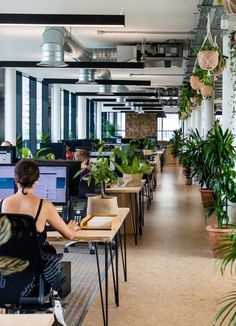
x: 93, y: 235
x: 125, y: 190
x: 26, y: 319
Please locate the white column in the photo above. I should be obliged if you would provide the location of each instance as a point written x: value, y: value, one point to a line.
x: 10, y: 105
x: 99, y: 120
x: 56, y: 113
x: 190, y: 126
x: 198, y: 119
x: 193, y: 119
x: 228, y: 108
x: 82, y: 123
x: 208, y: 114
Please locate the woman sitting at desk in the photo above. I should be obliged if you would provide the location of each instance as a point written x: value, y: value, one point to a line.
x: 25, y: 202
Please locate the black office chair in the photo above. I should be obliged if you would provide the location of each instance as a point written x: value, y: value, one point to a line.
x: 23, y: 244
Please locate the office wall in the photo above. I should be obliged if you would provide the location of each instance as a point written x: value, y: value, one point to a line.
x: 2, y: 103
x: 140, y: 125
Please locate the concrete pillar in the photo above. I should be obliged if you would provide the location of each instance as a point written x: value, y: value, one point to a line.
x: 82, y: 122
x: 228, y: 108
x: 56, y: 113
x: 193, y: 115
x: 99, y: 120
x: 198, y: 119
x: 208, y: 114
x: 10, y: 105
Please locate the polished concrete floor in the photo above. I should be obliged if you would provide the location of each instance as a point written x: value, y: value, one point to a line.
x: 172, y: 277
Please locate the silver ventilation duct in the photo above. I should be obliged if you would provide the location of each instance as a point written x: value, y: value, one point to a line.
x: 86, y: 76
x: 105, y: 89
x: 121, y: 89
x: 75, y: 49
x: 53, y: 47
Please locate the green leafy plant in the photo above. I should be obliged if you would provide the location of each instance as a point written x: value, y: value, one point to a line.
x: 108, y: 129
x: 227, y: 312
x: 176, y: 142
x: 205, y: 47
x: 45, y: 137
x: 100, y: 172
x: 220, y: 155
x: 132, y: 161
x: 39, y: 155
x: 148, y: 144
x: 185, y: 104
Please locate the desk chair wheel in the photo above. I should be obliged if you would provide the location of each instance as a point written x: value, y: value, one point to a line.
x: 91, y: 248
x: 65, y: 250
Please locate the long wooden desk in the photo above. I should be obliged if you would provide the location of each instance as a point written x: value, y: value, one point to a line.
x: 26, y: 319
x: 136, y: 209
x: 106, y: 237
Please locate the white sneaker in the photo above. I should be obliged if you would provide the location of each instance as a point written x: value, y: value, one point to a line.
x: 58, y: 312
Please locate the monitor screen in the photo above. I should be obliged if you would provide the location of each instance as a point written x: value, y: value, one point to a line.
x: 7, y: 154
x: 7, y: 183
x: 58, y: 149
x: 52, y: 183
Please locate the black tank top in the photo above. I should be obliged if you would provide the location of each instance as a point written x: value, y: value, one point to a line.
x: 42, y: 236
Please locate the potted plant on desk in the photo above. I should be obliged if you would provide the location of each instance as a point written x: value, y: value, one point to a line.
x: 175, y: 143
x: 132, y: 166
x: 101, y: 174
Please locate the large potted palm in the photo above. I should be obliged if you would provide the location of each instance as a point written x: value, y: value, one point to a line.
x: 201, y: 171
x: 220, y: 155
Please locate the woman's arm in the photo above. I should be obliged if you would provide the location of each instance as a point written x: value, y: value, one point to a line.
x: 53, y: 218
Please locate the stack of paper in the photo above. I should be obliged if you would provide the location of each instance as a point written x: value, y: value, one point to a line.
x: 100, y: 221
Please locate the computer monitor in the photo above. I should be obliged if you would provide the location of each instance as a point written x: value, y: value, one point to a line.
x: 73, y: 168
x: 7, y: 154
x: 7, y: 183
x: 58, y: 149
x: 74, y: 143
x: 53, y: 183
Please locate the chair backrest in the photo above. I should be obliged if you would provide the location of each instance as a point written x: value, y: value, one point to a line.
x: 22, y: 244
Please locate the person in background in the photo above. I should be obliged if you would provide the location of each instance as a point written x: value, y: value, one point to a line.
x: 69, y: 153
x: 83, y: 156
x: 6, y: 143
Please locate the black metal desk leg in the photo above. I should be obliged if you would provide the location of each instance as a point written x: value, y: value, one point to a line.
x: 134, y: 219
x: 138, y: 214
x: 117, y: 269
x: 123, y: 253
x: 100, y: 284
x: 106, y: 284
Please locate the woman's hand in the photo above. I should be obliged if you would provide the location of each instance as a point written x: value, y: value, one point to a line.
x: 73, y: 225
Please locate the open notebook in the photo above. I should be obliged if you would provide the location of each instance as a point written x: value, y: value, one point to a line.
x: 100, y: 221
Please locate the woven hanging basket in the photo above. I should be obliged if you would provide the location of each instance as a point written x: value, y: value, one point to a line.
x: 208, y: 59
x: 219, y: 69
x: 229, y: 6
x: 207, y: 90
x: 195, y: 82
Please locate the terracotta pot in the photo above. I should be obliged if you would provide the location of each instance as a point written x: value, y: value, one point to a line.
x: 195, y: 82
x: 147, y: 152
x: 188, y: 181
x: 216, y: 237
x: 229, y: 6
x: 207, y: 90
x: 208, y: 199
x: 99, y: 205
x: 132, y: 180
x: 208, y: 59
x: 219, y: 69
x: 176, y: 160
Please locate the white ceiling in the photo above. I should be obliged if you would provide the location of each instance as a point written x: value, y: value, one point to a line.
x: 23, y: 43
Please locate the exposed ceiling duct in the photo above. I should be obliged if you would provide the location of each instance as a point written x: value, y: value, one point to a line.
x: 121, y: 89
x: 56, y: 40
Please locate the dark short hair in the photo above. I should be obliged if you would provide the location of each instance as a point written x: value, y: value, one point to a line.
x: 26, y: 173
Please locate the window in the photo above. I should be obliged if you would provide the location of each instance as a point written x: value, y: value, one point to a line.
x: 113, y: 124
x: 25, y: 110
x: 39, y: 110
x: 165, y: 126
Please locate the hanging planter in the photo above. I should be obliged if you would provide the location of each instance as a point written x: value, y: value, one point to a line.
x: 220, y: 67
x: 207, y: 91
x: 195, y: 82
x: 208, y: 57
x: 229, y: 6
